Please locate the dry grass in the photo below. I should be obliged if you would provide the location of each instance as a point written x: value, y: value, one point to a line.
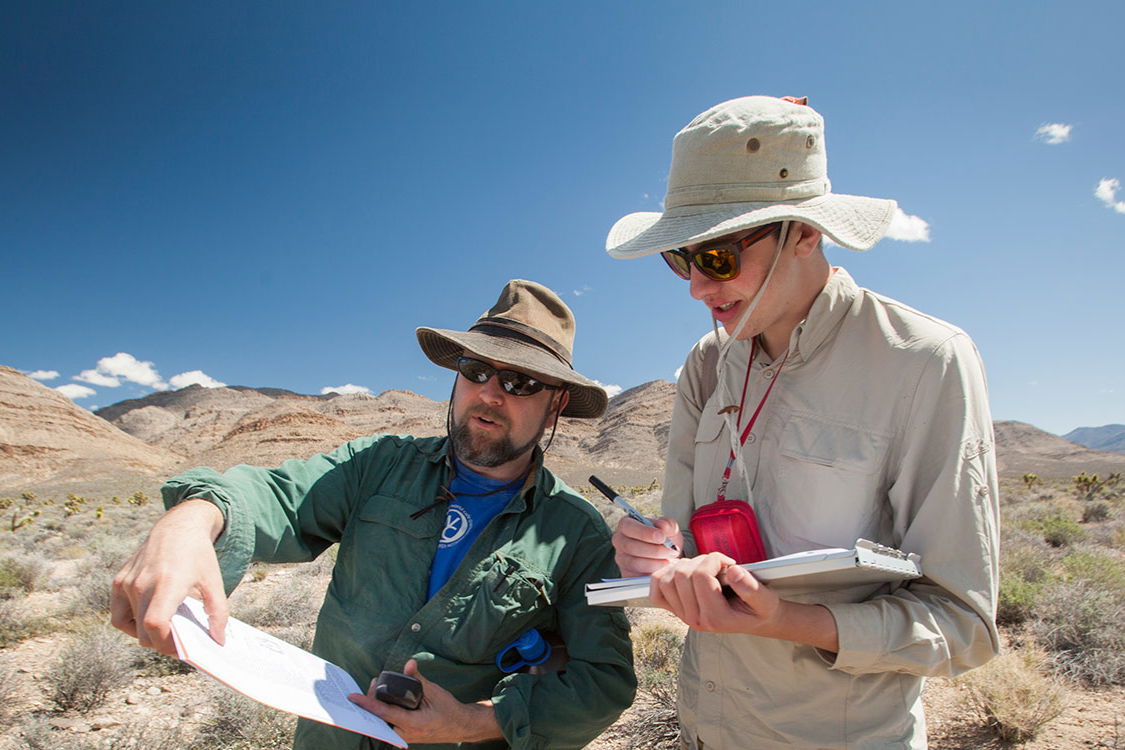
x: 238, y: 723
x: 1013, y: 696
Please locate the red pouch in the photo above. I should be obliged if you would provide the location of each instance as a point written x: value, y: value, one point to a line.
x: 730, y: 527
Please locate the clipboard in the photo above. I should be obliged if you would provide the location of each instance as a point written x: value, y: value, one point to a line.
x: 834, y: 567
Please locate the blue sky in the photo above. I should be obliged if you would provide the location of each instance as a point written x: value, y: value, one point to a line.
x: 277, y: 194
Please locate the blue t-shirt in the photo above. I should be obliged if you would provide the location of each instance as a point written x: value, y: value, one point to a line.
x: 466, y: 518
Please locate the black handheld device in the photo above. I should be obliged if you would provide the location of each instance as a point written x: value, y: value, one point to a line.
x: 398, y: 689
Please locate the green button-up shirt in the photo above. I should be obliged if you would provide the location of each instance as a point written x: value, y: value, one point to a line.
x: 527, y: 569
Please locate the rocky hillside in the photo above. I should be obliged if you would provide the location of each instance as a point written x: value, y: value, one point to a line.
x: 1022, y: 448
x: 46, y: 438
x: 48, y: 442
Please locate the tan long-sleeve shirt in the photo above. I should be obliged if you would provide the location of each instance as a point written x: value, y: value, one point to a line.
x: 878, y: 428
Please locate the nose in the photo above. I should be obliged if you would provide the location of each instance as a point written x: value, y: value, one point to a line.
x: 701, y: 285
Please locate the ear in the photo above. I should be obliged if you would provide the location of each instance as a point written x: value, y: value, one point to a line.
x: 564, y: 399
x: 807, y: 239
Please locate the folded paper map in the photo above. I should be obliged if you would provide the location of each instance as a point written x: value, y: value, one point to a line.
x: 275, y: 673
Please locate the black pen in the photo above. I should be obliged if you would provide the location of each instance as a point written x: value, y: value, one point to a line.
x: 632, y: 512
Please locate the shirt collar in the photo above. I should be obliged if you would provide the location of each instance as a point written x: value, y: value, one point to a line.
x: 825, y: 315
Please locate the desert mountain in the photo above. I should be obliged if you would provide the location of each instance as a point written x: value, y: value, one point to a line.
x: 1110, y: 437
x: 221, y: 427
x: 45, y: 437
x: 47, y: 441
x: 1022, y: 448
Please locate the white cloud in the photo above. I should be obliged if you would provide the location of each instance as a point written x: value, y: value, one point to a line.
x: 43, y: 374
x: 122, y: 366
x: 74, y: 391
x: 611, y: 390
x: 678, y: 371
x: 93, y: 377
x: 428, y: 378
x: 907, y: 228
x: 1106, y: 192
x: 1053, y: 132
x: 345, y: 390
x: 194, y: 377
x: 585, y: 288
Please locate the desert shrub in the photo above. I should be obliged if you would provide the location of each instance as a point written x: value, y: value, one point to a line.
x: 238, y: 723
x: 296, y: 602
x: 1098, y: 567
x: 152, y: 663
x: 656, y: 654
x: 90, y: 664
x: 94, y: 580
x: 1057, y: 530
x: 1082, y: 624
x: 1018, y: 600
x: 16, y: 626
x: 1096, y: 512
x: 23, y: 573
x: 1013, y: 696
x: 1025, y: 567
x: 653, y: 724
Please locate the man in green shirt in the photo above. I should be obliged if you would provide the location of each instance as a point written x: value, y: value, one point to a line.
x: 433, y: 576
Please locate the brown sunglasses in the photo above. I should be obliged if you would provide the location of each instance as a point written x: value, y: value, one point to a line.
x: 719, y: 260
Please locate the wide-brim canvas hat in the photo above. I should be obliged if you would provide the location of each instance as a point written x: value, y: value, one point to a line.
x: 744, y: 163
x: 529, y: 327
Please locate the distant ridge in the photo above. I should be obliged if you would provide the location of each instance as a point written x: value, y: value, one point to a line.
x: 48, y: 441
x: 1110, y: 437
x: 1022, y: 448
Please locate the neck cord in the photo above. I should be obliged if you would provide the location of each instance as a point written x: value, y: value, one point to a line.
x: 754, y: 418
x: 723, y: 388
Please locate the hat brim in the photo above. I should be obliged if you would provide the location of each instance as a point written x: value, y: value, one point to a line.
x: 443, y: 347
x: 852, y: 221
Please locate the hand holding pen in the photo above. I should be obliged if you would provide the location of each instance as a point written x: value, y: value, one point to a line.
x: 632, y: 512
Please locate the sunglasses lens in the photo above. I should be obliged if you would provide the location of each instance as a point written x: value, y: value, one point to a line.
x: 515, y: 383
x: 474, y: 369
x: 719, y: 263
x: 678, y: 263
x: 519, y: 384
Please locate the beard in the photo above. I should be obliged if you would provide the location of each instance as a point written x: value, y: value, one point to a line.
x: 481, y: 450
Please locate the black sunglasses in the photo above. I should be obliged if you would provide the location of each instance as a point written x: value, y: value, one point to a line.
x: 718, y: 261
x: 515, y: 383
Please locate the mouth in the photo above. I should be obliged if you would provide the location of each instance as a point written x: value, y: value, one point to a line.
x: 486, y: 422
x: 725, y: 311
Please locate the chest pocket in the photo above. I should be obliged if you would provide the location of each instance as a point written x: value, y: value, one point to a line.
x: 712, y: 448
x: 507, y: 597
x: 830, y: 487
x: 380, y: 555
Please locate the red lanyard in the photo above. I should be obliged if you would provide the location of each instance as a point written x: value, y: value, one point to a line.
x: 749, y: 425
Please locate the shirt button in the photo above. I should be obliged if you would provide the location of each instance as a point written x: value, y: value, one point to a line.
x: 710, y: 686
x: 415, y: 627
x: 751, y: 438
x: 767, y: 374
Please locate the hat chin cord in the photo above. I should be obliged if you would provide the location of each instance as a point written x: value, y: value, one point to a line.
x: 723, y: 388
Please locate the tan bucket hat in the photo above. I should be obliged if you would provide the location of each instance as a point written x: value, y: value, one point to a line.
x: 744, y: 163
x: 529, y: 327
